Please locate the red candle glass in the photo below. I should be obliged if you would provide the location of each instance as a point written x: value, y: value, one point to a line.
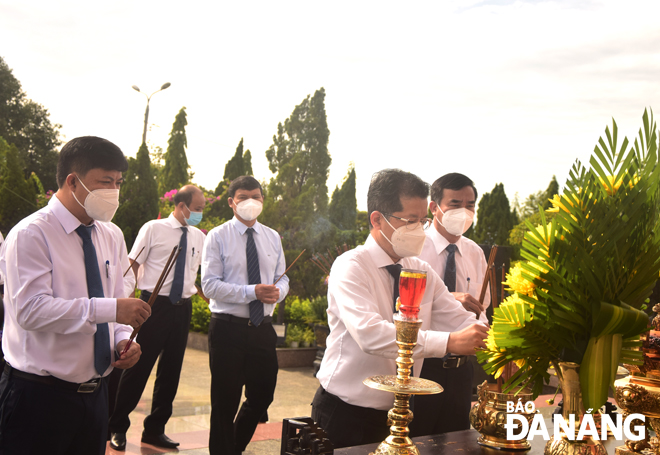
x: 412, y: 284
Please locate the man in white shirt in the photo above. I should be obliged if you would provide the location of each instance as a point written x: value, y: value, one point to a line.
x: 462, y: 265
x: 63, y: 269
x: 165, y: 334
x: 360, y: 313
x: 242, y: 260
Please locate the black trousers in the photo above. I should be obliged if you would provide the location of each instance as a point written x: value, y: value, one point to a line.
x: 37, y: 418
x: 346, y: 424
x: 164, y: 334
x: 239, y: 355
x: 446, y: 411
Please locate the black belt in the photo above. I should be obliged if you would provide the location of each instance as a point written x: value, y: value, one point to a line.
x: 85, y: 387
x: 144, y: 295
x: 454, y: 361
x: 237, y: 320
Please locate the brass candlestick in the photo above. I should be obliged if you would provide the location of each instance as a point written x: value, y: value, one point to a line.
x: 403, y: 386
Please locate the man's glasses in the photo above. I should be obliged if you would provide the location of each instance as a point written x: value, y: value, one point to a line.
x: 412, y: 224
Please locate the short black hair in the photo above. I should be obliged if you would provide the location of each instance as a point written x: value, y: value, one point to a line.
x: 453, y: 181
x: 388, y: 186
x: 244, y: 182
x: 82, y: 154
x: 185, y: 195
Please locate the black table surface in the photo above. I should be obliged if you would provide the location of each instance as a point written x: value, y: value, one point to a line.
x: 465, y: 443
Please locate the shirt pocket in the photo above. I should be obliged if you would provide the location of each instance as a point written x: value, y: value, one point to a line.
x: 195, y: 260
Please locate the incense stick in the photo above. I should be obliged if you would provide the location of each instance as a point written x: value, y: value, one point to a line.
x: 287, y: 269
x: 152, y: 298
x: 133, y: 262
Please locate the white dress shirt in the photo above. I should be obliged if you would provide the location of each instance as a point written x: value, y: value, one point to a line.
x: 2, y: 280
x: 362, y: 333
x: 224, y: 267
x: 159, y: 237
x: 470, y: 263
x: 49, y: 320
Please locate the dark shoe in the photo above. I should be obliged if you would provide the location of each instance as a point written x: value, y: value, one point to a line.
x: 159, y: 441
x: 118, y: 441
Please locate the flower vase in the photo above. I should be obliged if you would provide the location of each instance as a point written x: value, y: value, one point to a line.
x: 560, y: 444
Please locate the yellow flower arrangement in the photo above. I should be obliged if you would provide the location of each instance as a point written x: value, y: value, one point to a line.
x: 579, y: 292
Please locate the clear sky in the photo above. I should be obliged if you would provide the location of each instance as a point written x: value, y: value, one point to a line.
x: 502, y: 91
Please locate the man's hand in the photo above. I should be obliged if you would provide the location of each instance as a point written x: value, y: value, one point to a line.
x: 468, y: 302
x: 131, y: 356
x: 132, y: 312
x: 267, y: 293
x: 466, y: 341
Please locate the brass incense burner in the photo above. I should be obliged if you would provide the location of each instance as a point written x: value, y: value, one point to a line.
x: 403, y: 386
x: 639, y: 393
x: 488, y: 417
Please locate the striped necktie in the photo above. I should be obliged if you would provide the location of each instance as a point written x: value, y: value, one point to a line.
x: 254, y: 277
x: 450, y: 268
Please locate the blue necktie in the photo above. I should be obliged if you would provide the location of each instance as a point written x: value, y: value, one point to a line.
x: 254, y: 277
x: 450, y: 268
x: 95, y: 289
x: 176, y: 291
x: 395, y: 271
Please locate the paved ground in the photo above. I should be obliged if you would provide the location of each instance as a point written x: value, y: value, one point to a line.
x: 189, y: 424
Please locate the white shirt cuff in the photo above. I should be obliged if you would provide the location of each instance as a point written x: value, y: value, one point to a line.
x: 106, y: 310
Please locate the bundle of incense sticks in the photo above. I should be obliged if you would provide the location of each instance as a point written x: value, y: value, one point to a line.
x: 287, y: 269
x: 154, y: 294
x: 321, y: 259
x: 490, y: 274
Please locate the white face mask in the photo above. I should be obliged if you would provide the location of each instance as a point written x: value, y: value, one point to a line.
x: 249, y: 209
x: 100, y: 204
x: 456, y: 221
x: 406, y: 242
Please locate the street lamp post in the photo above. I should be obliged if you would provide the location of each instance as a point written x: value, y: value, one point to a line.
x: 146, y: 111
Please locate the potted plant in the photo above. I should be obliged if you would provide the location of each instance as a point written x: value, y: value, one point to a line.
x: 308, y: 337
x: 578, y: 296
x: 294, y: 334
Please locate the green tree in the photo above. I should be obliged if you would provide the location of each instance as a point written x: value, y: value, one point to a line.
x: 240, y: 164
x: 26, y: 124
x: 343, y: 205
x: 175, y: 171
x: 536, y: 200
x: 550, y: 191
x: 494, y: 218
x: 18, y: 198
x: 299, y: 156
x: 138, y: 196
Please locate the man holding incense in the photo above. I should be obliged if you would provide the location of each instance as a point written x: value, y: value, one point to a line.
x: 64, y: 319
x: 165, y: 334
x: 462, y: 265
x: 243, y: 270
x: 362, y: 291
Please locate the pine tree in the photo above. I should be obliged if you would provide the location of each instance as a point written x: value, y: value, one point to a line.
x: 240, y: 164
x: 551, y: 190
x: 138, y: 196
x: 299, y: 156
x: 175, y: 171
x: 494, y: 218
x: 18, y: 198
x: 343, y: 206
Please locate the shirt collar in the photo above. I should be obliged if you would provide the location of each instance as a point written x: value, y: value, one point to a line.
x: 174, y: 223
x: 242, y: 229
x: 67, y: 219
x: 378, y: 254
x: 440, y: 242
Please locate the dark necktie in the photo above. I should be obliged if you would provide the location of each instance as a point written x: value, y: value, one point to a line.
x: 450, y: 268
x: 95, y: 289
x: 254, y: 277
x: 176, y: 291
x: 395, y: 271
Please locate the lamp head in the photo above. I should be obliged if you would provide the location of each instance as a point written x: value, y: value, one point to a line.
x: 165, y: 85
x: 136, y: 88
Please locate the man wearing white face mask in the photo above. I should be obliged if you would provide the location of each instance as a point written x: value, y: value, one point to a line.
x: 65, y: 313
x: 362, y: 289
x: 165, y: 334
x: 242, y: 260
x: 462, y: 265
